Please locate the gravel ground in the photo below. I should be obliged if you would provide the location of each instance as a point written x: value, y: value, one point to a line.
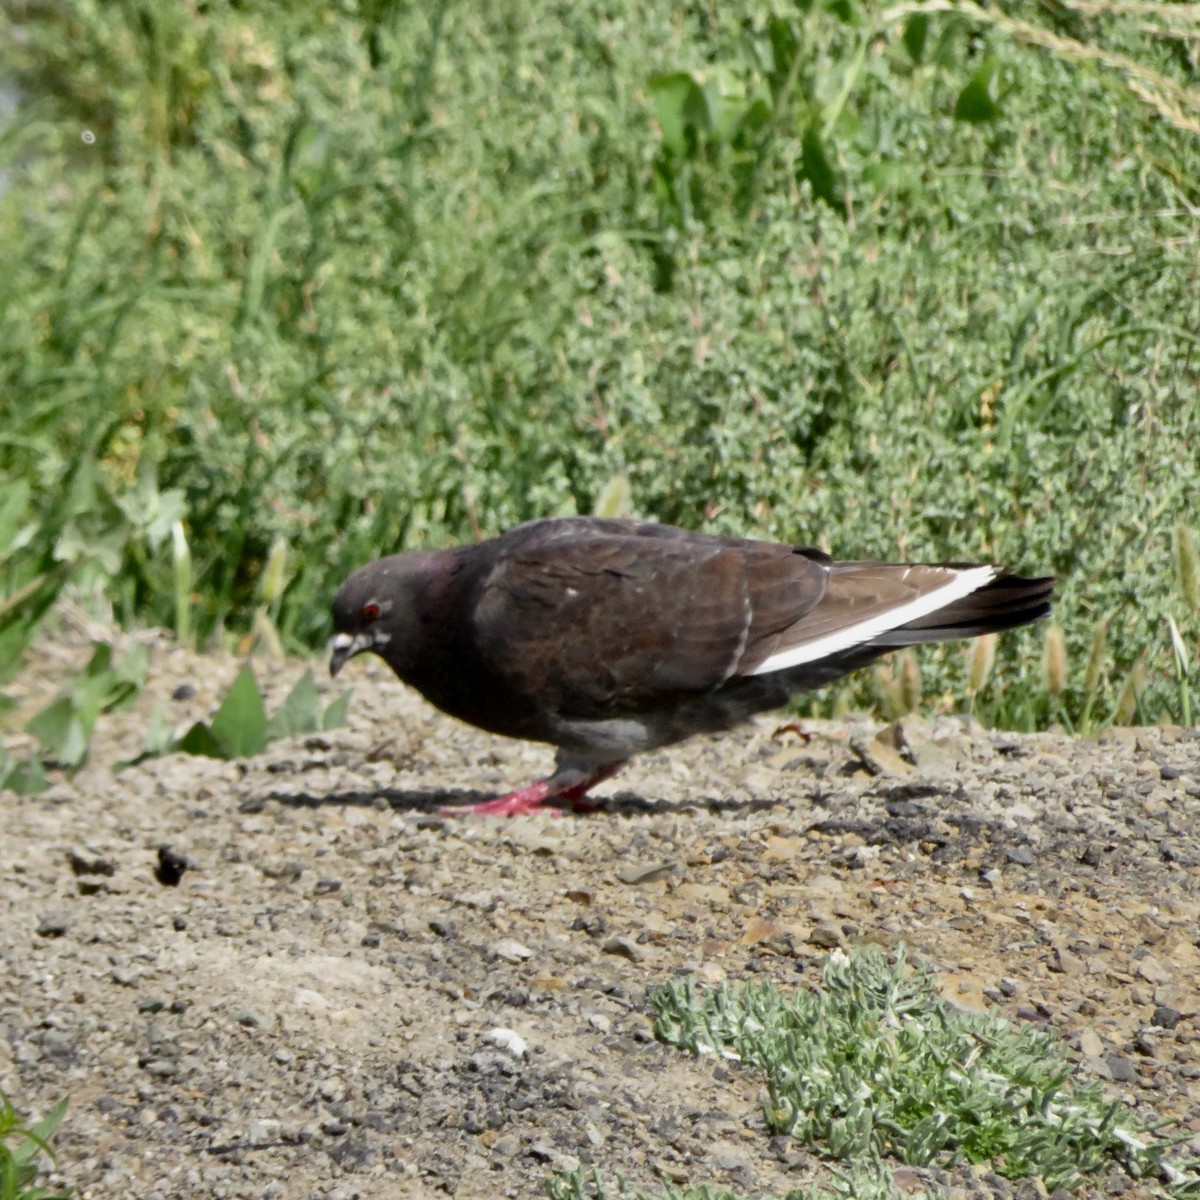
x: 349, y: 995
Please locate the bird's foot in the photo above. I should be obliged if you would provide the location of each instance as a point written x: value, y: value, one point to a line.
x: 569, y: 789
x: 523, y: 800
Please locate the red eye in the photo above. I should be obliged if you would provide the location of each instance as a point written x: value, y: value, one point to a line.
x: 371, y: 611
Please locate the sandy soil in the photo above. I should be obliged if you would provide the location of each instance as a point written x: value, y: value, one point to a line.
x: 332, y: 1001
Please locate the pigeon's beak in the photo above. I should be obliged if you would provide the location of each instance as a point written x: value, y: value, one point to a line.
x: 345, y: 646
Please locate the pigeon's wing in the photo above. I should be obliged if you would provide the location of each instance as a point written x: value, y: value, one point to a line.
x: 620, y: 617
x: 590, y: 619
x: 871, y: 607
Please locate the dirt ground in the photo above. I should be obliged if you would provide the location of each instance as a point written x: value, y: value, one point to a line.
x: 349, y: 995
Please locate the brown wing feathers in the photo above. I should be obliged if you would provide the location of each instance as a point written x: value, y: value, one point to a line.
x: 624, y: 615
x: 1007, y: 601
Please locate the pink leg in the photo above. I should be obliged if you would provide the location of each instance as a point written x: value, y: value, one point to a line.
x: 570, y: 789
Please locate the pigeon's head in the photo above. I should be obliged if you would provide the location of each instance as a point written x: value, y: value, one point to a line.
x: 379, y: 608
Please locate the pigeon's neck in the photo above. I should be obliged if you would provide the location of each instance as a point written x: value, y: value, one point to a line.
x: 442, y: 659
x: 439, y: 603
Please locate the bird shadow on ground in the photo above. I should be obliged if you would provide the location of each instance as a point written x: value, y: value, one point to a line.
x: 442, y: 802
x: 397, y: 799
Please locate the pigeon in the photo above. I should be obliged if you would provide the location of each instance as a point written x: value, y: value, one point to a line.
x: 606, y: 638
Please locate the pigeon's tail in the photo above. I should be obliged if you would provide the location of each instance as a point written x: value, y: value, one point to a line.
x: 869, y: 608
x: 1004, y: 602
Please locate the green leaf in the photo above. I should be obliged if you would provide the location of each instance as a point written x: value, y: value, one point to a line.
x: 62, y: 731
x: 816, y: 167
x: 20, y: 614
x: 12, y: 512
x: 845, y: 10
x: 754, y: 118
x: 79, y: 544
x: 784, y: 47
x: 916, y: 34
x: 38, y: 1138
x: 199, y: 740
x: 26, y: 779
x: 335, y: 715
x: 615, y: 498
x: 240, y: 725
x: 168, y: 507
x: 679, y: 105
x: 724, y: 106
x: 91, y: 692
x: 886, y: 176
x: 100, y: 662
x: 299, y: 713
x: 128, y: 678
x: 977, y: 101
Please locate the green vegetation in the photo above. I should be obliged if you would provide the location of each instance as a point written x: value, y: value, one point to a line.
x: 918, y: 279
x: 858, y: 1183
x: 874, y: 1064
x: 240, y: 728
x: 64, y: 728
x: 20, y: 1147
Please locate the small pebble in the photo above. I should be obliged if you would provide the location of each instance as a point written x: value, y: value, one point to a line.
x: 1165, y: 1017
x: 54, y: 923
x: 87, y: 862
x: 624, y: 947
x: 507, y: 1040
x: 510, y: 950
x: 1122, y: 1068
x: 171, y: 866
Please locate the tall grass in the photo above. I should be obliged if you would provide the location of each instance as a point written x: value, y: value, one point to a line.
x: 914, y: 280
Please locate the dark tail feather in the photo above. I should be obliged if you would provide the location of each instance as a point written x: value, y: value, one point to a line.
x: 1004, y: 603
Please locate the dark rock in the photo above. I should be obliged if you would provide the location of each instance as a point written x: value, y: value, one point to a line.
x: 171, y: 866
x: 85, y: 862
x: 353, y: 1153
x: 1165, y: 1017
x: 1122, y: 1068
